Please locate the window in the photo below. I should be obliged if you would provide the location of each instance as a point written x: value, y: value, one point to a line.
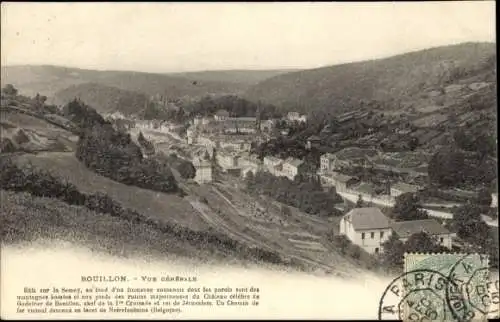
x: 372, y: 235
x: 362, y: 235
x: 376, y: 250
x: 441, y: 240
x: 381, y: 234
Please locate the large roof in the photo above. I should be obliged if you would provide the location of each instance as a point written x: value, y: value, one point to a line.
x: 407, y: 228
x: 355, y: 153
x: 401, y: 186
x: 367, y: 218
x: 294, y: 162
x: 222, y: 112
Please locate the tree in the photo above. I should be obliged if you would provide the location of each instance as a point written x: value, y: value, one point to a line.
x: 465, y: 219
x: 407, y: 207
x: 421, y: 242
x: 187, y: 170
x: 141, y: 137
x: 342, y: 243
x: 413, y: 143
x: 484, y: 197
x: 9, y: 90
x: 360, y: 203
x: 393, y: 254
x: 447, y: 167
x: 286, y: 211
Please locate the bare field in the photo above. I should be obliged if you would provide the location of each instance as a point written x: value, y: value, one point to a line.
x: 162, y: 206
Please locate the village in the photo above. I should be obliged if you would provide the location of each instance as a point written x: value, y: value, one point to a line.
x: 223, y: 144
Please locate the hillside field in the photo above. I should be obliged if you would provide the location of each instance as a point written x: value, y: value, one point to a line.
x: 162, y: 206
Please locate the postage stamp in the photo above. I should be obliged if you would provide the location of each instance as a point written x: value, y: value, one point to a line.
x: 442, y: 287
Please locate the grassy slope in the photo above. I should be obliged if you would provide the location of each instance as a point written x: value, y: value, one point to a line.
x: 25, y: 217
x: 43, y: 136
x: 397, y: 78
x: 165, y: 207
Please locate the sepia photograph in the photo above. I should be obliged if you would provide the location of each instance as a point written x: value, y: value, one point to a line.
x: 249, y: 160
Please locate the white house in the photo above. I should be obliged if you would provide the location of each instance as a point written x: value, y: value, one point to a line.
x: 267, y: 125
x: 368, y: 228
x: 249, y: 163
x: 191, y: 135
x: 326, y: 162
x: 295, y: 116
x: 273, y: 165
x: 404, y: 229
x: 221, y: 115
x: 228, y: 160
x: 292, y: 167
x: 402, y: 188
x: 203, y: 167
x: 338, y: 180
x: 237, y: 145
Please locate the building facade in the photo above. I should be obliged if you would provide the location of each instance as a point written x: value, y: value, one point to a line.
x: 204, y: 169
x: 293, y: 167
x: 368, y: 228
x: 404, y: 229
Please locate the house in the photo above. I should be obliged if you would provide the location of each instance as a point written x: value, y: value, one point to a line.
x: 228, y: 160
x: 206, y: 141
x: 338, y: 180
x: 221, y: 115
x: 402, y: 188
x: 291, y: 116
x: 494, y: 200
x: 191, y: 135
x: 368, y: 228
x: 326, y: 162
x: 250, y: 163
x: 267, y: 125
x: 197, y: 120
x: 295, y: 116
x: 273, y: 165
x: 237, y: 145
x: 347, y: 157
x: 404, y: 229
x: 203, y: 166
x: 245, y: 125
x: 313, y: 142
x: 292, y: 167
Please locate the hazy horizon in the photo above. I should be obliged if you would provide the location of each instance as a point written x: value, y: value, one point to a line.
x: 197, y: 37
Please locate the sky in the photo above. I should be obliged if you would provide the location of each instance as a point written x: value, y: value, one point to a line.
x: 176, y: 37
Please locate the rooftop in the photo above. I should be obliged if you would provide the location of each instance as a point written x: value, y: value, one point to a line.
x: 222, y: 113
x: 341, y: 177
x: 355, y: 152
x: 294, y: 162
x: 367, y: 218
x: 314, y: 138
x: 407, y: 228
x: 365, y: 187
x: 401, y: 186
x: 273, y: 159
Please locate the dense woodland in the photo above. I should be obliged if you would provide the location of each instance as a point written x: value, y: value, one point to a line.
x: 305, y: 194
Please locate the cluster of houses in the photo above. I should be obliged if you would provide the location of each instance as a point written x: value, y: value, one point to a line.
x: 350, y: 187
x: 369, y: 228
x: 295, y: 116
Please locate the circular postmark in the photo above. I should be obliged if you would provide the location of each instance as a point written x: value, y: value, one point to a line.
x: 482, y: 292
x: 417, y: 295
x: 467, y: 296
